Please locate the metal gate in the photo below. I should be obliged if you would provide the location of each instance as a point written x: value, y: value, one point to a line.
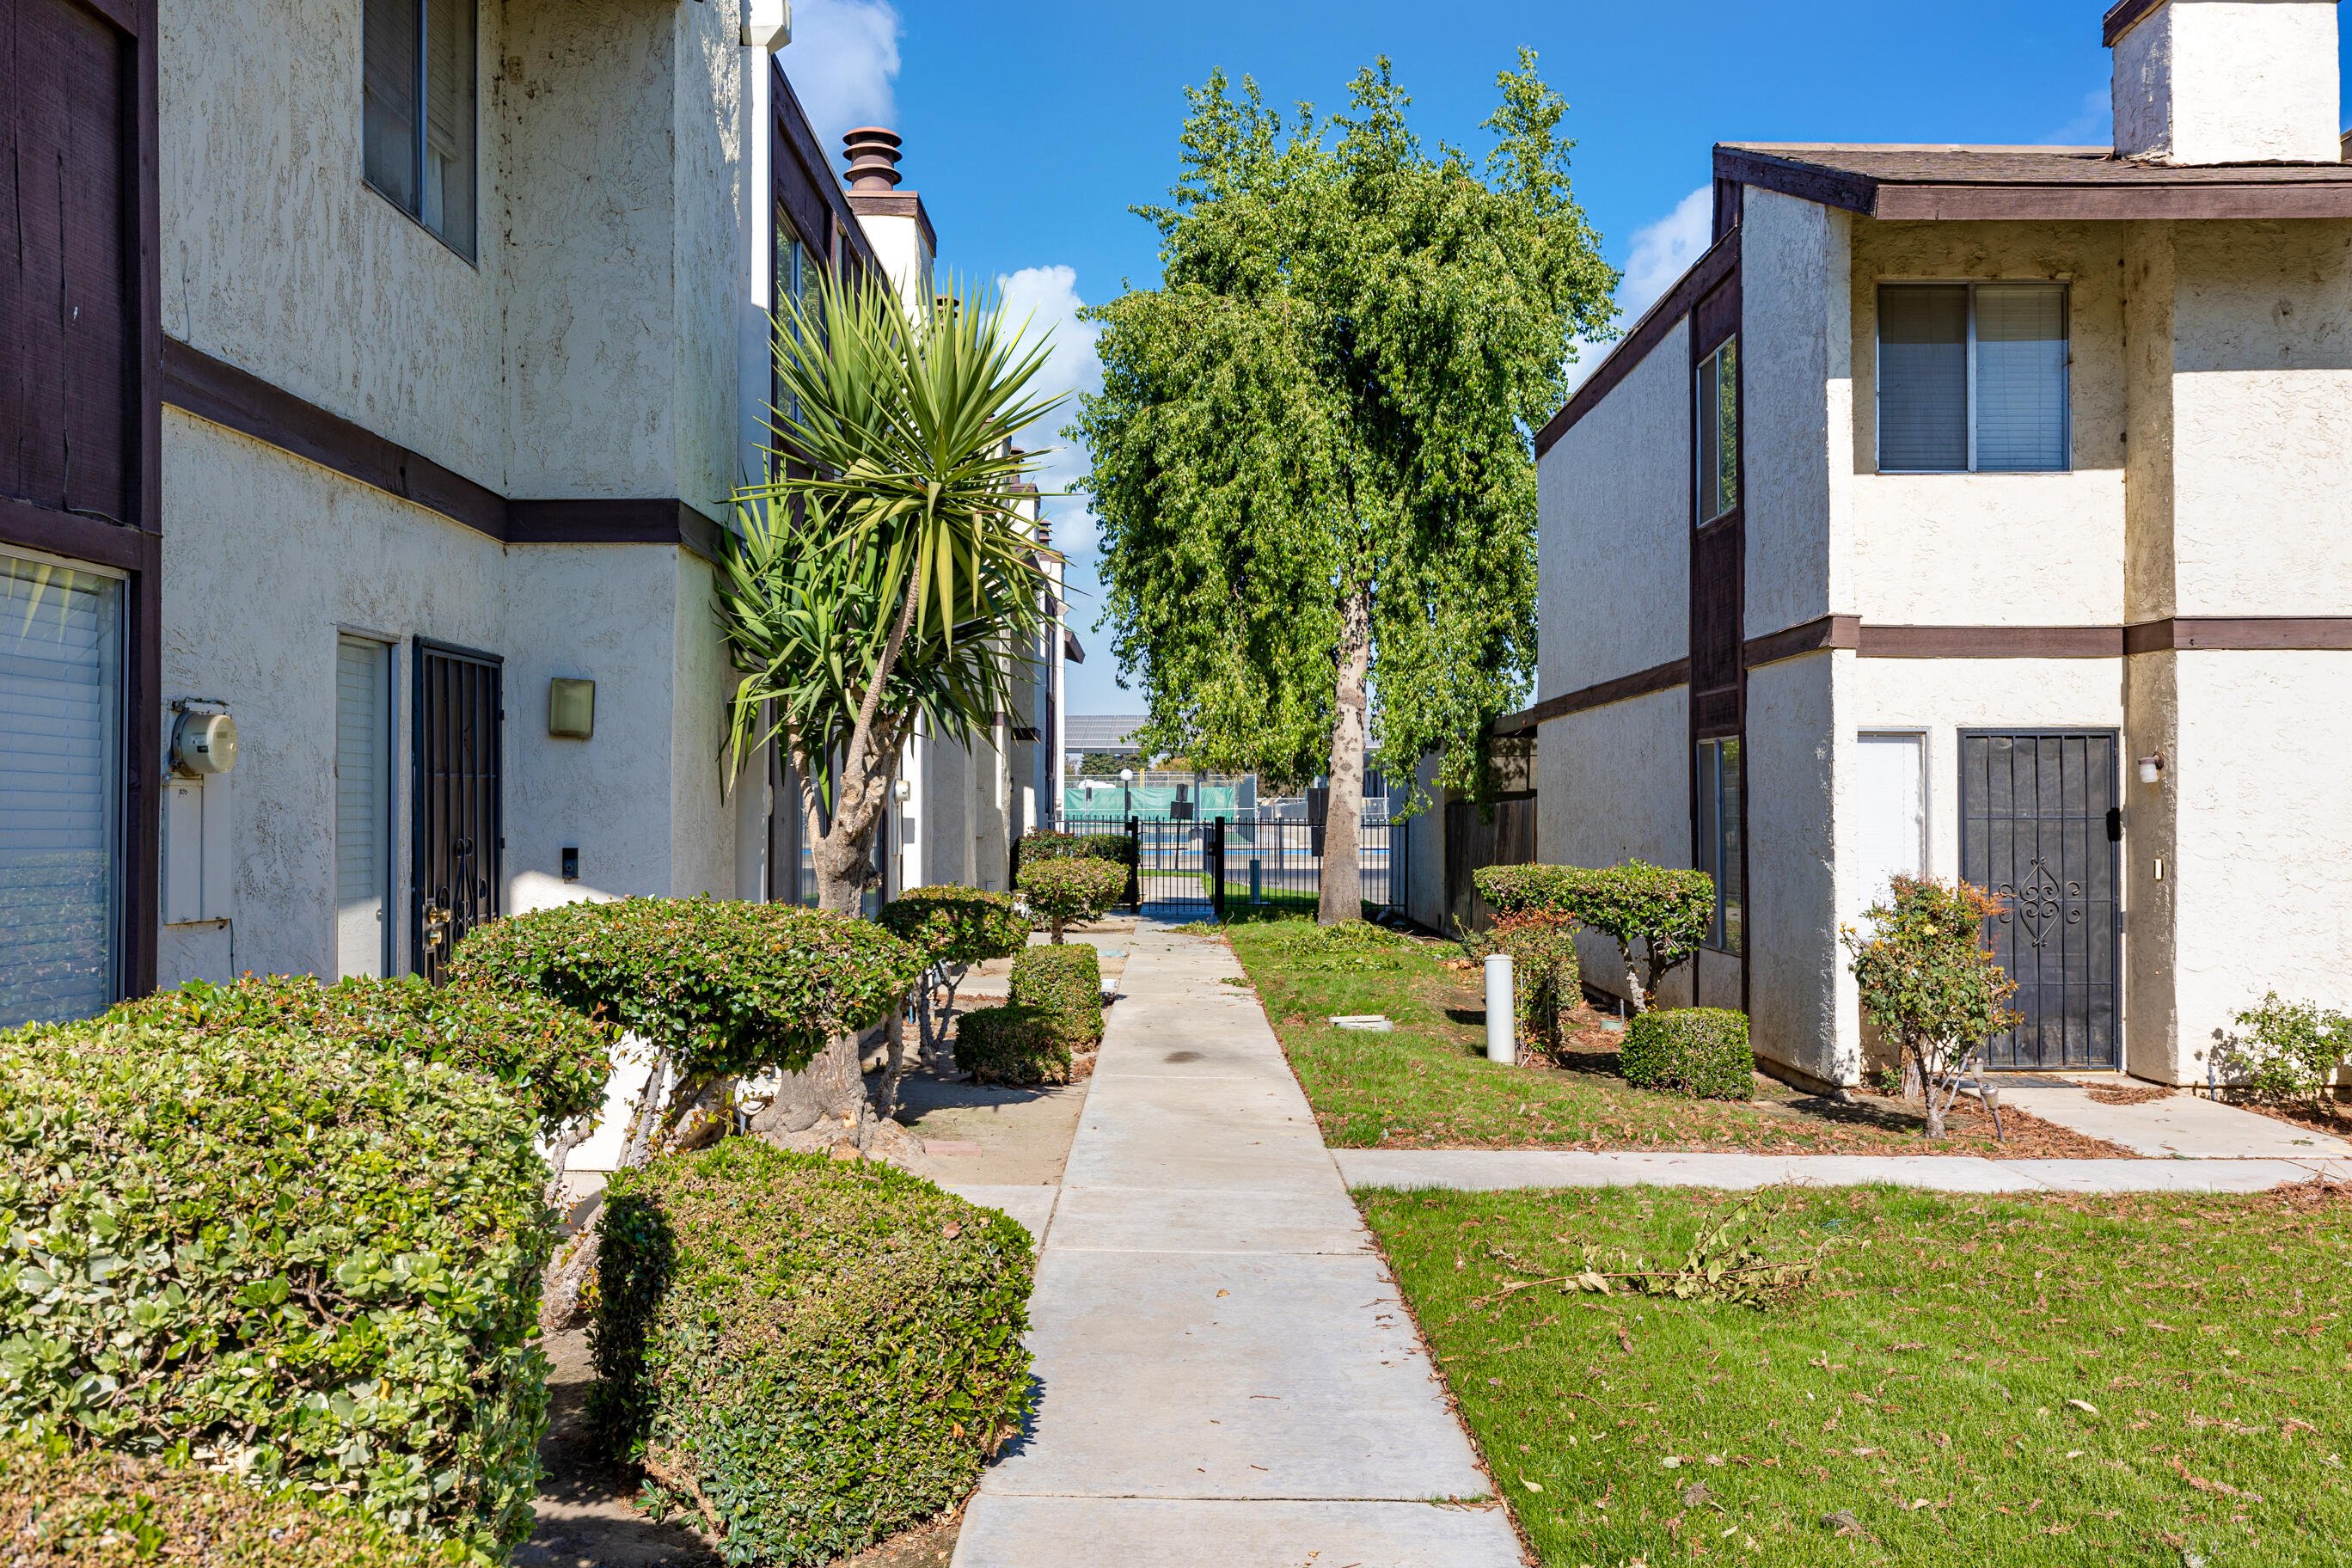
x: 1193, y: 869
x: 2040, y: 828
x: 458, y: 805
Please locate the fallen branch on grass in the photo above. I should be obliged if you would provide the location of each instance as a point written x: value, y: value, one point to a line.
x: 1726, y: 1262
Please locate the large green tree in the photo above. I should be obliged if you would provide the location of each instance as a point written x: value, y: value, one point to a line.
x: 1312, y: 454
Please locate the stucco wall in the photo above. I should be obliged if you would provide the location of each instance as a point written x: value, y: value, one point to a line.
x: 1796, y: 374
x: 278, y: 257
x: 1798, y: 837
x: 1614, y: 784
x: 1613, y: 549
x: 2224, y: 81
x: 1995, y: 549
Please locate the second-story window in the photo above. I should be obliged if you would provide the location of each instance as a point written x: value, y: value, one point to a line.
x: 417, y: 114
x: 1972, y: 378
x: 1718, y: 413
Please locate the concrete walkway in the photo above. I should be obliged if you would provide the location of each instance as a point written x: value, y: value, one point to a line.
x: 2181, y: 1125
x: 1485, y: 1170
x: 1226, y: 1373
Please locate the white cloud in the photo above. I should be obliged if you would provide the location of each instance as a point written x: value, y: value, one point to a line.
x: 2094, y: 127
x: 843, y: 62
x: 1046, y: 298
x: 1663, y: 252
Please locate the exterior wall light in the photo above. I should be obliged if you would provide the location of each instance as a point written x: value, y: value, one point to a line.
x: 2151, y: 769
x: 572, y: 709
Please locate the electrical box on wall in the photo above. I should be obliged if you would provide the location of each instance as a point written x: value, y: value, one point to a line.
x: 196, y: 850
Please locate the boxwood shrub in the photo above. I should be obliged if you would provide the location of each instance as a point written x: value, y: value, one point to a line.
x: 954, y: 925
x: 1066, y: 980
x: 552, y: 1056
x: 1067, y: 890
x: 1701, y: 1052
x: 1047, y: 844
x: 1018, y: 1045
x: 719, y: 985
x: 808, y: 1355
x: 63, y: 1509
x: 316, y: 1262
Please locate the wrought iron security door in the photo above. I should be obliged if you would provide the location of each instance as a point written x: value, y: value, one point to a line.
x: 457, y: 806
x: 2039, y: 825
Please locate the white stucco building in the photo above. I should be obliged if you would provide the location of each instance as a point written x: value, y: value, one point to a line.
x: 409, y: 351
x: 1987, y: 512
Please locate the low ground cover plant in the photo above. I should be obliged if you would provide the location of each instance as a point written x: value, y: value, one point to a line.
x: 2287, y: 1050
x: 806, y: 1355
x: 1698, y: 1051
x: 1069, y: 890
x: 2039, y: 1381
x: 1928, y: 982
x: 1066, y: 980
x: 312, y: 1261
x: 953, y: 928
x: 64, y: 1509
x: 1661, y: 912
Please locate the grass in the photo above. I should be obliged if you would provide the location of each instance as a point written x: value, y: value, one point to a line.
x: 2041, y: 1382
x: 1429, y: 1085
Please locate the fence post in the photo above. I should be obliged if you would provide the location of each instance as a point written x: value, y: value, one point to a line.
x: 1135, y: 864
x: 1216, y: 870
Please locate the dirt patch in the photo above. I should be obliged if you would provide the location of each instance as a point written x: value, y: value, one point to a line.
x: 2105, y: 1094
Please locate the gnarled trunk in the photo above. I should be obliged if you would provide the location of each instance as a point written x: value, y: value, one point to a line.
x: 1342, y: 896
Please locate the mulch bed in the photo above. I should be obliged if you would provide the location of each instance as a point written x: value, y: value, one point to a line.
x: 2105, y: 1095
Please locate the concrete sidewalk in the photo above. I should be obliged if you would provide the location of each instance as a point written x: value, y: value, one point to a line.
x: 1493, y: 1169
x: 1226, y: 1372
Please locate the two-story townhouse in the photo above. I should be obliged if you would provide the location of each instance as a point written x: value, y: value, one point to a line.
x: 1987, y: 512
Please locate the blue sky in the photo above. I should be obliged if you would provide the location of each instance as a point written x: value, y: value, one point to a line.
x: 1032, y: 125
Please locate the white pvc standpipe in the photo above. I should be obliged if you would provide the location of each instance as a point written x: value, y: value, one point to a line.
x: 1502, y: 1027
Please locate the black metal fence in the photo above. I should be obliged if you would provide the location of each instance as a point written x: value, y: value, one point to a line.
x: 1224, y: 864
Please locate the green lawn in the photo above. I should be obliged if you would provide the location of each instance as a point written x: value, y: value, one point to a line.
x: 1429, y: 1083
x: 1978, y: 1382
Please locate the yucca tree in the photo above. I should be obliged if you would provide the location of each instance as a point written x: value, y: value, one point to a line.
x: 888, y: 574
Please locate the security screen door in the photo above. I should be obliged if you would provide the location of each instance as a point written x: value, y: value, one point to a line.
x: 457, y: 846
x: 2039, y: 828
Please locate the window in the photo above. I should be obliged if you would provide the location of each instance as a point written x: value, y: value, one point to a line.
x: 60, y: 789
x: 417, y: 116
x: 1721, y: 821
x: 1972, y: 378
x: 362, y: 807
x: 1718, y: 432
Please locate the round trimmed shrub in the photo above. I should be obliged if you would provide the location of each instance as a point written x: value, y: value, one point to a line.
x: 551, y: 1057
x: 1701, y: 1052
x: 59, y: 1508
x: 808, y: 1355
x: 1068, y: 890
x: 1066, y: 980
x: 314, y: 1262
x: 955, y: 925
x: 1048, y: 845
x: 720, y: 986
x: 1018, y: 1045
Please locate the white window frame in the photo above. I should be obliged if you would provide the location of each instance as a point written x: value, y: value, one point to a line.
x: 2066, y: 288
x: 388, y: 691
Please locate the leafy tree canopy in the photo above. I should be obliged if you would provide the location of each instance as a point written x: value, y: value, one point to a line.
x: 1312, y: 454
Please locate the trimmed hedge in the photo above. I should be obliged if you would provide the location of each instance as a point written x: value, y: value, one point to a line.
x: 1018, y: 1045
x: 1067, y: 890
x: 1047, y: 844
x: 1663, y: 910
x: 65, y: 1509
x: 810, y: 1355
x: 1701, y: 1052
x: 948, y: 924
x: 1066, y: 980
x: 317, y: 1262
x: 551, y: 1057
x: 721, y: 987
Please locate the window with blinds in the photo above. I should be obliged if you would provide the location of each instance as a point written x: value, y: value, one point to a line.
x: 60, y: 789
x: 1718, y: 413
x: 362, y: 807
x: 417, y: 111
x: 1972, y: 378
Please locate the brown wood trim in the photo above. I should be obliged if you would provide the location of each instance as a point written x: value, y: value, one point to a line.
x: 1653, y: 328
x: 216, y: 390
x: 2123, y: 17
x: 1991, y: 642
x: 143, y: 687
x: 599, y: 521
x: 1794, y: 642
x: 134, y: 17
x: 1625, y: 688
x: 70, y: 534
x: 1830, y: 187
x: 816, y: 181
x: 2115, y: 203
x: 2244, y: 633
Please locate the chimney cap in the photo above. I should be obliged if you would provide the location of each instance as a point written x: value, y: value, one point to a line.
x: 874, y: 156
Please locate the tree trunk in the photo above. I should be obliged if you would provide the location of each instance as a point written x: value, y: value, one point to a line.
x: 1641, y: 995
x: 1342, y: 871
x: 1935, y: 1109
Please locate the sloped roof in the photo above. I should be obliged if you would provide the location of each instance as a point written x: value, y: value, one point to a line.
x: 1952, y: 182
